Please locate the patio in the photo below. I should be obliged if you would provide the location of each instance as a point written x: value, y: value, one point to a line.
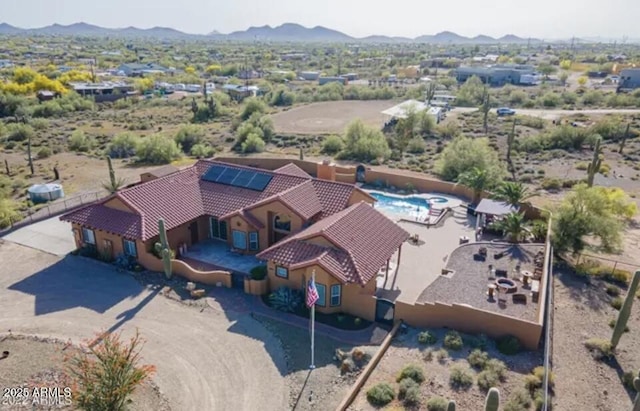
x: 218, y: 254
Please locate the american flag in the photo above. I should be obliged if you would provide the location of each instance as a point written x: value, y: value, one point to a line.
x: 312, y: 294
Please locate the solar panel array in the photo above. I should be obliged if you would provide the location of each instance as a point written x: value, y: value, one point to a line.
x: 253, y: 180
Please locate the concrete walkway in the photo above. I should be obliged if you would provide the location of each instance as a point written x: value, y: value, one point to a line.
x: 51, y: 236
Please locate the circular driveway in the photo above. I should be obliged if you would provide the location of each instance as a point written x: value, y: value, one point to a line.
x: 209, y: 360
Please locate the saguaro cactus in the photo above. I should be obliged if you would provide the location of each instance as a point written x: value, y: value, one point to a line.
x: 451, y: 406
x: 511, y: 138
x: 595, y: 164
x: 625, y: 311
x: 486, y: 106
x: 636, y: 402
x: 163, y: 249
x: 301, y: 154
x: 624, y: 138
x: 492, y: 402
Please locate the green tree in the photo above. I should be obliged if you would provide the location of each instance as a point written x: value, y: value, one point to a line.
x: 464, y: 154
x: 513, y: 226
x: 547, y: 69
x: 365, y: 143
x: 188, y: 136
x: 123, y: 145
x: 157, y: 149
x: 252, y: 105
x: 79, y: 141
x: 512, y: 193
x: 597, y: 213
x: 109, y: 373
x: 471, y: 92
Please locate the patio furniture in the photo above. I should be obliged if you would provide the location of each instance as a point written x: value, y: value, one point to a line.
x: 498, y: 256
x: 501, y: 273
x: 491, y: 288
x: 483, y: 251
x: 535, y: 291
x: 464, y: 239
x: 519, y: 298
x: 506, y: 285
x: 479, y: 257
x: 526, y: 277
x: 502, y: 297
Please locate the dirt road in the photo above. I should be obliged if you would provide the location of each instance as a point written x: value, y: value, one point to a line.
x: 555, y: 114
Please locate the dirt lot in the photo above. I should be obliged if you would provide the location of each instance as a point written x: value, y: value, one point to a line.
x: 583, y: 311
x: 406, y: 350
x: 330, y: 117
x: 40, y: 363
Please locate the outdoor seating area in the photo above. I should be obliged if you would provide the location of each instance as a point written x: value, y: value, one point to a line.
x: 219, y: 254
x: 509, y: 284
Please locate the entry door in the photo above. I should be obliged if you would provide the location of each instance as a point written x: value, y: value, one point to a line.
x: 194, y: 232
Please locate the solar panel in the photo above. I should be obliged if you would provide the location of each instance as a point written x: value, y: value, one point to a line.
x: 213, y: 173
x: 228, y: 176
x: 259, y: 182
x: 243, y: 178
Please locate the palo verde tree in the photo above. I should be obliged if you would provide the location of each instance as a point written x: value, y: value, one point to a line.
x: 463, y: 154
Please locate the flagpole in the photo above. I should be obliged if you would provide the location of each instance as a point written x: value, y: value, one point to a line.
x: 313, y: 325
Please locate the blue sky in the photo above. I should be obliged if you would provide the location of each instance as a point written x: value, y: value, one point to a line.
x: 540, y: 18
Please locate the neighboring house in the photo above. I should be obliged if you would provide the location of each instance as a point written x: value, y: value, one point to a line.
x: 350, y: 76
x: 293, y: 56
x: 309, y: 75
x: 249, y: 209
x: 45, y: 95
x: 103, y: 92
x: 345, y: 250
x: 326, y: 80
x: 239, y: 93
x: 248, y: 74
x: 139, y: 69
x: 496, y: 75
x: 629, y: 78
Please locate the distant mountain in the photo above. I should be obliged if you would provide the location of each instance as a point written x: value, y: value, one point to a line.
x: 288, y: 32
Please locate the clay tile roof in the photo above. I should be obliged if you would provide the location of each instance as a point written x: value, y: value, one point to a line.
x: 364, y: 240
x: 100, y: 217
x: 333, y: 196
x: 292, y: 170
x: 302, y: 199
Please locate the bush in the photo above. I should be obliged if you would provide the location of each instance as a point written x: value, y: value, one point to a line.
x: 157, y: 149
x: 497, y: 367
x: 253, y: 144
x: 188, y: 136
x: 478, y: 359
x: 365, y: 143
x: 617, y: 302
x: 285, y: 299
x: 123, y: 145
x: 612, y: 324
x: 453, y: 340
x: 600, y: 349
x: 427, y: 355
x: 487, y: 379
x: 79, y: 141
x: 508, y: 345
x: 627, y: 379
x: 437, y: 404
x: 44, y: 152
x: 518, y: 401
x: 332, y: 145
x: 8, y: 212
x: 427, y: 337
x: 412, y: 396
x: 405, y: 385
x: 202, y: 151
x: 20, y: 132
x: 258, y: 272
x: 612, y: 290
x: 252, y: 105
x: 412, y: 371
x: 442, y: 354
x: 551, y: 184
x: 416, y: 145
x: 463, y: 155
x: 381, y: 394
x: 460, y: 378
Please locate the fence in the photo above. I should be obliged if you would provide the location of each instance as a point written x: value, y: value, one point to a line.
x: 614, y: 264
x: 548, y: 335
x: 54, y: 209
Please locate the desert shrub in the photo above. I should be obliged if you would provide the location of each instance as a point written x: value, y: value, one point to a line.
x: 8, y: 212
x: 412, y: 371
x: 79, y: 141
x: 281, y: 97
x: 39, y: 124
x: 617, y: 302
x: 496, y: 366
x: 551, y: 184
x: 437, y: 404
x: 487, y: 379
x: 427, y: 337
x: 157, y: 149
x: 550, y: 99
x: 412, y: 396
x: 460, y: 378
x: 478, y: 359
x: 518, y: 401
x: 188, y: 136
x: 453, y: 340
x: 365, y: 143
x: 612, y: 324
x: 592, y: 98
x: 428, y: 355
x: 480, y: 341
x: 538, y: 372
x: 508, y: 345
x: 463, y: 155
x: 442, y: 354
x: 123, y: 145
x: 416, y: 146
x: 285, y: 299
x: 612, y: 290
x: 405, y: 385
x: 252, y: 105
x: 531, y: 121
x: 592, y: 268
x: 381, y: 394
x: 332, y: 145
x: 44, y: 152
x: 627, y: 379
x: 448, y: 130
x: 20, y: 132
x: 202, y: 151
x: 258, y: 272
x: 253, y: 144
x: 582, y: 166
x: 532, y: 382
x: 600, y: 349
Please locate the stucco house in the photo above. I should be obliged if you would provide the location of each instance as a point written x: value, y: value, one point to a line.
x: 294, y: 222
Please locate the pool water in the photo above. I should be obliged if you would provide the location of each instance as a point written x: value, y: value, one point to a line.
x: 412, y: 207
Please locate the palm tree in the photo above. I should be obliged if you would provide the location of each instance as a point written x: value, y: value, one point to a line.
x: 513, y: 226
x: 476, y: 179
x: 512, y: 193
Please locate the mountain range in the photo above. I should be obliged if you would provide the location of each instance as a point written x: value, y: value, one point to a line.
x: 288, y: 32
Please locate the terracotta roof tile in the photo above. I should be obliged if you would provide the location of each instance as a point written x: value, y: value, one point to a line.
x: 362, y: 233
x: 292, y: 170
x: 100, y: 217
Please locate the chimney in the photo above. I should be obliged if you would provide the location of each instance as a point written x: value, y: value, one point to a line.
x: 326, y: 170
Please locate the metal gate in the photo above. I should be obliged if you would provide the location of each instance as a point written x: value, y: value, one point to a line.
x: 237, y: 280
x: 385, y: 311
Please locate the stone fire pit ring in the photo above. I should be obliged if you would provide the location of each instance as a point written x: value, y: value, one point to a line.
x: 506, y: 285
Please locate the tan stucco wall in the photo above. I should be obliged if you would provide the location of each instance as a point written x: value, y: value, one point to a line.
x: 117, y: 204
x: 205, y: 277
x: 470, y: 320
x: 101, y: 236
x: 270, y: 163
x: 262, y: 214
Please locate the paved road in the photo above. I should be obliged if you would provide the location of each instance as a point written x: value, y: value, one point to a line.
x: 209, y: 360
x: 555, y: 114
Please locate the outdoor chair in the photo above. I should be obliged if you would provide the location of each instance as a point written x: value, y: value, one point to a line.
x: 519, y: 298
x: 501, y: 273
x: 479, y: 257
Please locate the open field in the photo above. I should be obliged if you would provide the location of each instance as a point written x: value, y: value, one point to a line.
x: 330, y: 117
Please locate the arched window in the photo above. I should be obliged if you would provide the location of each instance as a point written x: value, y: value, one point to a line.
x: 282, y: 222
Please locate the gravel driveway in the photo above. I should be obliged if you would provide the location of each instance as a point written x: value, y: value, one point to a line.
x: 207, y: 360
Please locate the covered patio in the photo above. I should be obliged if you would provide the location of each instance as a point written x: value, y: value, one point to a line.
x: 218, y: 253
x: 487, y: 211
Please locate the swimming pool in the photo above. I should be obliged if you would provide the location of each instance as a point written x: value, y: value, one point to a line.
x: 406, y: 206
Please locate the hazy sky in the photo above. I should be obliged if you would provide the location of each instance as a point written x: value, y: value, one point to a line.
x: 539, y: 18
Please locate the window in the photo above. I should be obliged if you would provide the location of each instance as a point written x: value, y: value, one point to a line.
x: 322, y: 292
x: 253, y: 240
x: 336, y: 291
x: 218, y: 229
x: 88, y: 236
x: 239, y: 240
x: 282, y: 223
x: 282, y: 272
x: 130, y: 248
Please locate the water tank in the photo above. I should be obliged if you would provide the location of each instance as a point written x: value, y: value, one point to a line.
x: 40, y: 193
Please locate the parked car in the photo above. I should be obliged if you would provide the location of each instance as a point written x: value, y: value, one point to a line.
x: 505, y: 111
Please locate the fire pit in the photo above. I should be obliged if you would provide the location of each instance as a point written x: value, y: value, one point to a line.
x: 506, y: 285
